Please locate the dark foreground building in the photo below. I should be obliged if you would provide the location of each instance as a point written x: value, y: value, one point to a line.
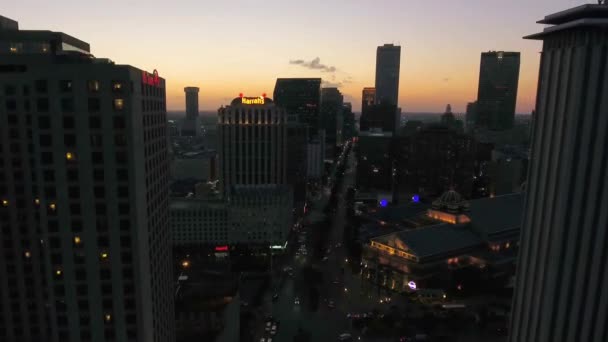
x: 561, y: 293
x: 86, y: 253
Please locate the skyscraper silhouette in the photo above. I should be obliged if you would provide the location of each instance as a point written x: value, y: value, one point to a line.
x: 388, y: 61
x: 497, y: 92
x: 561, y: 289
x: 191, y: 124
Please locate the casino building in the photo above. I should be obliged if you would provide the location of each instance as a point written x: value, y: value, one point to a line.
x: 252, y: 144
x: 256, y: 207
x: 427, y: 246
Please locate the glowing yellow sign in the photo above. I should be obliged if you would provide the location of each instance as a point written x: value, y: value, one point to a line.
x: 252, y: 100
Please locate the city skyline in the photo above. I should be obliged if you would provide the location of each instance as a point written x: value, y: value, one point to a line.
x: 180, y: 43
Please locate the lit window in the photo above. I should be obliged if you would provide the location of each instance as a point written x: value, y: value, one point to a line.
x: 117, y: 87
x: 108, y: 317
x: 36, y: 201
x: 69, y: 156
x: 104, y: 255
x: 5, y: 203
x: 119, y: 104
x: 93, y: 86
x: 58, y: 272
x: 52, y: 206
x: 77, y: 240
x: 28, y: 254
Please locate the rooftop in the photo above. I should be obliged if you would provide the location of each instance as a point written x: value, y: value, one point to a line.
x: 9, y: 30
x: 497, y: 215
x: 434, y: 240
x: 575, y: 13
x: 589, y: 15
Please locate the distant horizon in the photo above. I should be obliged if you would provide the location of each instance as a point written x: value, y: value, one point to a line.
x: 202, y: 44
x: 211, y: 113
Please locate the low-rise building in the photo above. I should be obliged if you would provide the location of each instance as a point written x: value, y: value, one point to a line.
x: 482, y: 234
x: 250, y: 215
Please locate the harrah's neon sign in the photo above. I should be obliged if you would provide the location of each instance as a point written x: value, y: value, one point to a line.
x: 252, y: 100
x: 150, y: 79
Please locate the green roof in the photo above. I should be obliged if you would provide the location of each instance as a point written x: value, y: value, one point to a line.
x: 441, y: 239
x: 498, y: 216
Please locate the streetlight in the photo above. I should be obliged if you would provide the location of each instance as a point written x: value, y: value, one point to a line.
x: 185, y: 264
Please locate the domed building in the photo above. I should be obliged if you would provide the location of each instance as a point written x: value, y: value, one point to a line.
x: 450, y: 207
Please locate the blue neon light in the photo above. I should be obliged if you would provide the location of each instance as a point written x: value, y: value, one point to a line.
x: 383, y: 203
x: 416, y: 199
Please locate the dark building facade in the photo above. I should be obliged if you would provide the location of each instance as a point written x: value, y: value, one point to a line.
x: 497, y: 92
x: 374, y: 161
x: 435, y: 159
x: 383, y: 116
x: 297, y: 142
x: 84, y: 172
x: 388, y: 61
x: 470, y: 116
x: 349, y: 128
x: 302, y: 97
x: 368, y: 98
x: 561, y: 289
x: 332, y: 103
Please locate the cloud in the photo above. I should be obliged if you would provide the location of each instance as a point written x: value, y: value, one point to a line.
x: 315, y: 64
x: 328, y: 84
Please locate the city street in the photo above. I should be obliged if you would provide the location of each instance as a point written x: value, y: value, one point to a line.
x: 338, y: 284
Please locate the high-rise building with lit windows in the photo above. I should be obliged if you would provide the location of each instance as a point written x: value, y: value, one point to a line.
x: 253, y: 144
x: 84, y: 195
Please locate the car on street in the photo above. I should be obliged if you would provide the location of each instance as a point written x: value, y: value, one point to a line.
x: 268, y: 326
x: 345, y: 337
x: 273, y: 330
x: 325, y: 258
x: 331, y: 304
x: 296, y: 301
x: 275, y: 297
x: 336, y: 281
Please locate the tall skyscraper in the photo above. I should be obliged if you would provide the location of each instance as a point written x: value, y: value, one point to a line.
x: 388, y: 60
x: 561, y: 291
x: 191, y: 124
x: 253, y: 145
x: 368, y: 98
x: 83, y: 195
x: 332, y: 102
x: 301, y: 97
x: 497, y: 92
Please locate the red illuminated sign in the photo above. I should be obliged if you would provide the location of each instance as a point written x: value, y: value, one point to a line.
x: 221, y: 248
x: 150, y: 79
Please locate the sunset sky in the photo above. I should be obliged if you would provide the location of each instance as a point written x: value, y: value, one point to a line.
x: 228, y: 47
